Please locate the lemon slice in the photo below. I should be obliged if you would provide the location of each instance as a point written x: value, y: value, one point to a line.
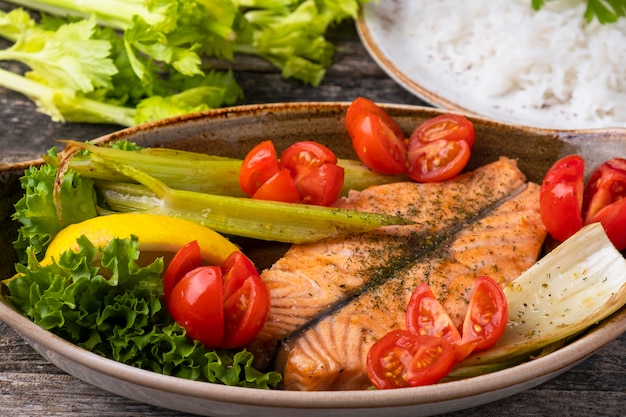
x: 156, y: 233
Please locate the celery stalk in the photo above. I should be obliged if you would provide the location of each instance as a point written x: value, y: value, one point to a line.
x: 62, y: 106
x: 265, y: 220
x: 177, y: 170
x: 199, y: 172
x: 580, y: 283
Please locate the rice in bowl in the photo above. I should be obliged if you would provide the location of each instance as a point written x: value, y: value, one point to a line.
x: 546, y: 68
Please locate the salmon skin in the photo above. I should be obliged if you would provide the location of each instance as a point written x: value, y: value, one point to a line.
x: 331, y: 300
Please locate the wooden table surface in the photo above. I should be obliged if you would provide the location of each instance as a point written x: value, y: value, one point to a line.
x: 30, y: 386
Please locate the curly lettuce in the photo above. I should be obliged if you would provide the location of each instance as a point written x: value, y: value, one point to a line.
x: 36, y: 211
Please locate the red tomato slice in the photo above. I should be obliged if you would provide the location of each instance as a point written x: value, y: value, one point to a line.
x: 317, y: 176
x: 196, y: 303
x: 305, y: 155
x: 245, y: 312
x: 426, y: 316
x: 450, y: 127
x: 280, y: 187
x: 606, y: 185
x: 561, y: 197
x: 259, y: 165
x: 376, y: 138
x: 613, y: 219
x: 186, y: 259
x: 433, y: 360
x: 487, y: 314
x: 439, y: 148
x: 321, y: 187
x: 437, y: 160
x: 404, y: 359
x: 235, y: 270
x: 246, y: 301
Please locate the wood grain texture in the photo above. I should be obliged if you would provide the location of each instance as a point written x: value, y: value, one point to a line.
x: 30, y: 386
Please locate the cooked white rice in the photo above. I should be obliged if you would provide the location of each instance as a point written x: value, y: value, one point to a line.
x: 547, y: 68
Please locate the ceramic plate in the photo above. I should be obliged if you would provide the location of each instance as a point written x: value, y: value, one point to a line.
x: 231, y: 132
x: 516, y: 69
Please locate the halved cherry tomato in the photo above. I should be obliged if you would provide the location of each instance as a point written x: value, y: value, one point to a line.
x: 613, y: 220
x: 561, y: 197
x: 426, y: 316
x: 314, y: 168
x: 439, y: 148
x: 280, y: 187
x: 196, y: 303
x: 259, y: 165
x: 437, y: 160
x: 376, y: 138
x: 606, y: 185
x: 487, y: 314
x: 246, y: 301
x: 245, y: 312
x: 450, y: 127
x: 404, y: 359
x: 220, y: 306
x: 186, y: 259
x: 236, y: 269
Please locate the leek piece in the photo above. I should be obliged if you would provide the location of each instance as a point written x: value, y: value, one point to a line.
x: 246, y: 217
x: 578, y: 284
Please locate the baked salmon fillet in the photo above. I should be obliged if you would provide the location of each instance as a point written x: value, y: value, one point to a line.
x: 331, y: 300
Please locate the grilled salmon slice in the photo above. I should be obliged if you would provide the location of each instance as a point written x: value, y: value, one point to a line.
x: 330, y: 353
x: 314, y: 278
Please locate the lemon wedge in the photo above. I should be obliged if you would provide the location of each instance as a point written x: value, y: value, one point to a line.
x: 156, y: 233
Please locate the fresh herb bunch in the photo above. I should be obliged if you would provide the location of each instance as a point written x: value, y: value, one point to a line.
x: 132, y: 61
x: 606, y: 11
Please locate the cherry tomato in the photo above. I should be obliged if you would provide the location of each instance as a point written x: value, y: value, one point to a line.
x: 186, y: 259
x: 196, y: 303
x: 220, y: 306
x: 426, y: 316
x: 487, y: 314
x: 440, y: 148
x: 259, y: 165
x: 280, y: 187
x: 606, y: 185
x: 246, y: 301
x: 404, y: 359
x: 317, y: 176
x: 561, y: 197
x: 376, y: 138
x: 613, y: 219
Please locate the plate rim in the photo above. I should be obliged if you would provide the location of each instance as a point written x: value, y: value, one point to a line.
x: 554, y: 363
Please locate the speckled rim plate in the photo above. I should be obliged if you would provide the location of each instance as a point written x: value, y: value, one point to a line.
x: 371, y: 25
x: 236, y: 128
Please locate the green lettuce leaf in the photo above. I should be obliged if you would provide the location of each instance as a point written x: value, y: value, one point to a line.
x: 36, y: 211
